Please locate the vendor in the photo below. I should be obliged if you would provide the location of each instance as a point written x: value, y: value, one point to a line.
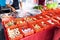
x: 14, y: 4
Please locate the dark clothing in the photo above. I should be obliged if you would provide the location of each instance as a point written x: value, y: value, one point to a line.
x: 41, y: 2
x: 15, y: 4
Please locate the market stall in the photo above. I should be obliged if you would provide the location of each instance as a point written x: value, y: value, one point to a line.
x: 30, y: 27
x: 30, y: 23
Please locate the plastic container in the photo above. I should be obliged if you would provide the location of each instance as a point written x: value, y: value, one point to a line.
x: 43, y: 24
x: 20, y: 21
x: 30, y: 19
x: 35, y: 26
x: 13, y: 33
x: 26, y: 30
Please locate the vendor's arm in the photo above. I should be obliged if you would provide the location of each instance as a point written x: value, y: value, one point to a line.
x: 20, y: 5
x: 9, y: 6
x: 9, y: 3
x: 20, y: 1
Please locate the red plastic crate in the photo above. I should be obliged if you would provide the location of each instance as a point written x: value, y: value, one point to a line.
x: 26, y: 30
x: 57, y: 18
x: 57, y: 11
x: 51, y: 22
x: 13, y: 29
x: 43, y: 24
x: 28, y: 19
x: 35, y: 26
x: 7, y: 19
x: 20, y: 21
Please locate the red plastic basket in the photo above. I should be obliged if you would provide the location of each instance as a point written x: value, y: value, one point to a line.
x: 9, y: 36
x: 26, y: 30
x: 35, y: 26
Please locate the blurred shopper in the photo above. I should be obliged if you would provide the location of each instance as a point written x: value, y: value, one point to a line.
x: 14, y: 4
x: 41, y: 2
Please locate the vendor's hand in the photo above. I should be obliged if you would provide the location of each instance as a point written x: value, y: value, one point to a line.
x: 13, y: 9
